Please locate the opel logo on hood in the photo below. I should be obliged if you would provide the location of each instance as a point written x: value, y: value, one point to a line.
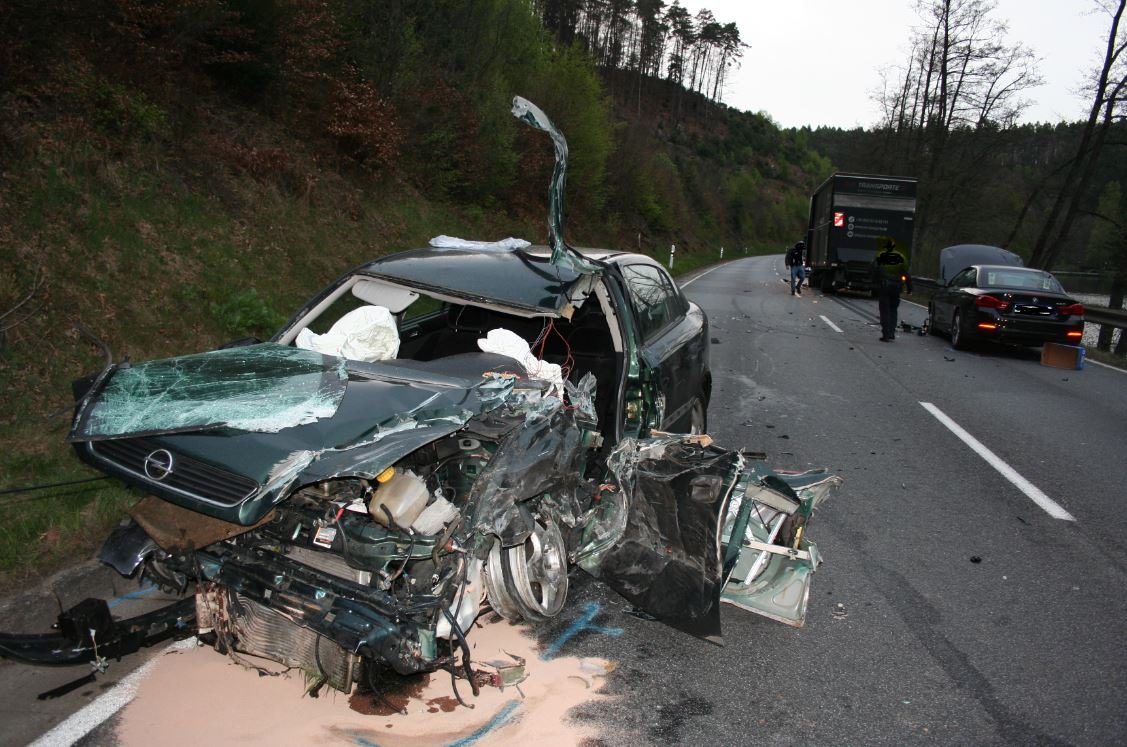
x: 158, y: 464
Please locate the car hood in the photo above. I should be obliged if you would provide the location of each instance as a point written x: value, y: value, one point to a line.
x: 955, y: 259
x: 278, y: 416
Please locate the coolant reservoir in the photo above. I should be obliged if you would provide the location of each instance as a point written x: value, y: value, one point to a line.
x: 404, y: 495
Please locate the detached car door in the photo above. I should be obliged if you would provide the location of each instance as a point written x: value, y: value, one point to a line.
x: 698, y: 525
x: 673, y: 335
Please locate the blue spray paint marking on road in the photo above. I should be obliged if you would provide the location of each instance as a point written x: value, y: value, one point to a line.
x: 583, y: 623
x: 502, y: 717
x: 144, y: 590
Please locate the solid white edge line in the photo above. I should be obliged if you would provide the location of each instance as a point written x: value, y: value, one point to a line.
x: 698, y: 277
x: 1104, y: 365
x: 1047, y: 504
x: 89, y: 717
x: 833, y: 326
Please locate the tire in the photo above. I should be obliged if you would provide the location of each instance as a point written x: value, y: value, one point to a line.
x: 958, y: 338
x: 827, y: 283
x: 931, y: 327
x: 529, y: 581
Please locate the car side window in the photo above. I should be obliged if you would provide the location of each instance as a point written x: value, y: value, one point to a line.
x: 964, y: 279
x: 655, y: 297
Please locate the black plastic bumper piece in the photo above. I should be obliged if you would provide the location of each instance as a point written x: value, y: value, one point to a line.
x: 87, y: 632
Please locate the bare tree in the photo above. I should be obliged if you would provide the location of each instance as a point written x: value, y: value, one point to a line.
x: 1108, y: 93
x: 962, y: 76
x: 729, y: 50
x: 684, y: 35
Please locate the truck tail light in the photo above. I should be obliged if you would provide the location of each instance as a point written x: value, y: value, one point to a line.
x: 1074, y: 333
x: 990, y: 302
x: 987, y: 326
x: 839, y: 220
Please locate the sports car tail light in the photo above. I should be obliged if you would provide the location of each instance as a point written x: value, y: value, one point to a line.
x: 990, y: 302
x: 1073, y: 309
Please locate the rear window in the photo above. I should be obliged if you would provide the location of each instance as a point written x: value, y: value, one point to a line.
x: 1036, y: 281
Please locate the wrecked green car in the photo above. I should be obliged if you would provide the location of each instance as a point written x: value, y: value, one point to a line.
x: 453, y: 425
x: 331, y: 511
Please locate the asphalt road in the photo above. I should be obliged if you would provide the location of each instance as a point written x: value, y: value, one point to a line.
x: 951, y: 608
x: 967, y: 614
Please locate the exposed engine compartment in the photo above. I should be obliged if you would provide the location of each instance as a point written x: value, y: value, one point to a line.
x: 389, y: 545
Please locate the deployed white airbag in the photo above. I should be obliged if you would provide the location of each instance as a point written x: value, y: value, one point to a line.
x: 364, y: 334
x: 507, y: 342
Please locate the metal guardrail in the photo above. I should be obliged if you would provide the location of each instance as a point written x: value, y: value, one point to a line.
x: 1100, y: 315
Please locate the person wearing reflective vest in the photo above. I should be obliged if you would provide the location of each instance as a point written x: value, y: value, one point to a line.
x: 890, y: 270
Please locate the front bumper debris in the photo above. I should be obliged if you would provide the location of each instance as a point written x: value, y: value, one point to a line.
x: 88, y: 633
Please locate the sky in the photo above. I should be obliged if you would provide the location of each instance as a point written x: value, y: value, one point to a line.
x: 818, y: 62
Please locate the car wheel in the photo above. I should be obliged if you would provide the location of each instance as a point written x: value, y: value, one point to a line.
x: 529, y: 581
x: 958, y: 339
x: 932, y: 328
x: 698, y: 417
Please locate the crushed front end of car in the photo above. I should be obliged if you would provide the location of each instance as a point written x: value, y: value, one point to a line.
x: 328, y: 512
x: 342, y: 516
x: 305, y: 524
x: 379, y: 551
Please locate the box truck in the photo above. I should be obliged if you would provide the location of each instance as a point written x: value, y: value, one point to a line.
x: 852, y: 216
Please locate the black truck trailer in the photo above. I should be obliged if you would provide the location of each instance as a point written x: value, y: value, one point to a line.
x: 852, y: 216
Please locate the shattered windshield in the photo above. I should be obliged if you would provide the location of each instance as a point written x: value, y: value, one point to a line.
x: 262, y: 388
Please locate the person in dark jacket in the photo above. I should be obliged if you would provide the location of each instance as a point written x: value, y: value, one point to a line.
x: 796, y: 261
x: 890, y: 270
